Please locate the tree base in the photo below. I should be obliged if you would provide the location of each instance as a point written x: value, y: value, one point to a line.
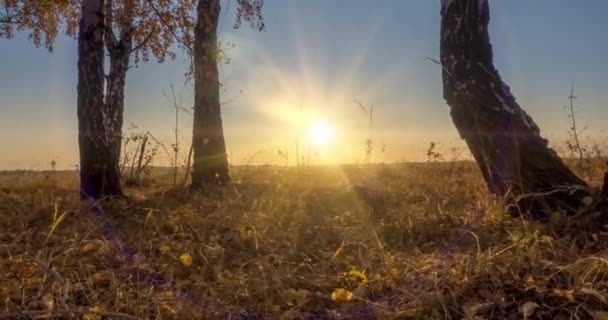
x: 208, y: 178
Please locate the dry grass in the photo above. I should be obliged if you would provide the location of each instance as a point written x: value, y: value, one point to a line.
x: 427, y: 240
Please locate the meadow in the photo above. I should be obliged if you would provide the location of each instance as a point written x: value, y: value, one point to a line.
x: 390, y: 241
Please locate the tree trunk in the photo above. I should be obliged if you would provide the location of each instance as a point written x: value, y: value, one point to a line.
x: 114, y: 104
x: 514, y: 159
x: 115, y: 97
x: 210, y: 165
x: 99, y: 173
x: 605, y: 185
x: 119, y: 51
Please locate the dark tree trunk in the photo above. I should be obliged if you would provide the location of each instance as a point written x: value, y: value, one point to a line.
x: 115, y: 96
x: 514, y: 159
x: 119, y: 51
x: 99, y: 173
x: 605, y: 185
x: 210, y: 165
x: 114, y: 103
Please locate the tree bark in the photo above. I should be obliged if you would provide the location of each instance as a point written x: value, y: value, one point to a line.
x: 99, y: 173
x: 210, y: 164
x: 119, y: 50
x: 605, y: 185
x: 514, y: 159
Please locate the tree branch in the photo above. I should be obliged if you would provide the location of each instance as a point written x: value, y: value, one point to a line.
x: 126, y: 25
x: 439, y: 63
x: 9, y: 20
x: 9, y: 17
x: 360, y: 105
x: 110, y: 37
x: 170, y: 28
x: 143, y: 43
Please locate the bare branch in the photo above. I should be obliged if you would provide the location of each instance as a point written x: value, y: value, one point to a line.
x: 575, y: 133
x: 360, y: 105
x: 186, y: 111
x: 9, y: 20
x: 439, y: 63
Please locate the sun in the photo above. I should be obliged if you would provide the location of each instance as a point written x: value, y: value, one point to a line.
x: 320, y: 133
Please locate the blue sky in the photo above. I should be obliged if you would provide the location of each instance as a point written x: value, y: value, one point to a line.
x: 319, y: 55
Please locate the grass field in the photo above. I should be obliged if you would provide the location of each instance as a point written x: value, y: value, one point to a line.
x: 399, y: 241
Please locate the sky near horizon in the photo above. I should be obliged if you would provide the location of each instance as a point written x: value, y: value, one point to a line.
x: 314, y: 59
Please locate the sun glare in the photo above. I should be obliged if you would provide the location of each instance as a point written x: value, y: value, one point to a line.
x: 320, y: 133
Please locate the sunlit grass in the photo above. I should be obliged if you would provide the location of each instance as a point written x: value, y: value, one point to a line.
x: 421, y: 241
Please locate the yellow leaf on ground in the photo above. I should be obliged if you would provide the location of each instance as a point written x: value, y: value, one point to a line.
x: 356, y: 277
x: 186, y: 259
x: 341, y: 295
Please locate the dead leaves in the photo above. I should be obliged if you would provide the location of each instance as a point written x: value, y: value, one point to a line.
x: 542, y: 300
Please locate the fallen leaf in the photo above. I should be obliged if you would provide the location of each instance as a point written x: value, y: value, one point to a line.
x: 566, y: 294
x: 356, y: 277
x: 341, y: 295
x: 474, y: 307
x: 96, y: 277
x: 48, y: 301
x: 530, y: 280
x: 528, y: 309
x: 186, y: 259
x: 89, y: 246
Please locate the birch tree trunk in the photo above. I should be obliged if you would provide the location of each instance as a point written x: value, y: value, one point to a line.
x: 210, y: 164
x: 119, y: 50
x: 99, y: 173
x: 514, y: 159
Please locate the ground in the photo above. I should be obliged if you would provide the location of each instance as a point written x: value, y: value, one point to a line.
x: 398, y: 241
